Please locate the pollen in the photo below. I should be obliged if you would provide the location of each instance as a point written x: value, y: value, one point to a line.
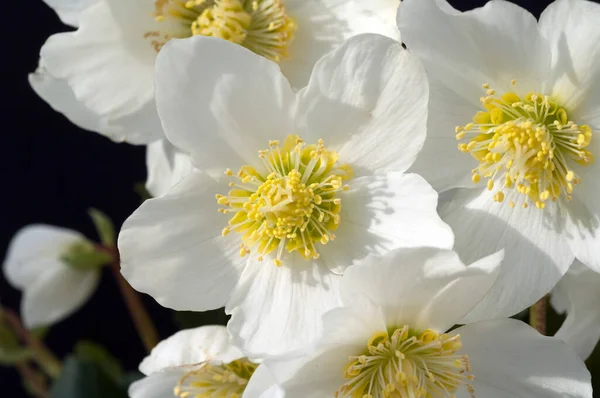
x: 291, y: 204
x: 407, y: 363
x: 209, y: 380
x: 262, y: 26
x: 526, y: 145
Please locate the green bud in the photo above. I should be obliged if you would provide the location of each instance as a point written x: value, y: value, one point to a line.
x: 104, y: 227
x: 85, y: 256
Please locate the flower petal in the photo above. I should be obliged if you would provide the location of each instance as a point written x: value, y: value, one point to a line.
x: 382, y: 213
x: 191, y: 347
x: 275, y: 310
x: 572, y: 31
x: 69, y: 10
x: 484, y: 45
x: 536, y: 253
x: 166, y: 167
x: 262, y: 385
x: 423, y: 287
x: 319, y: 372
x: 580, y: 293
x: 157, y: 385
x: 171, y: 247
x: 510, y: 359
x: 367, y: 100
x: 57, y: 293
x: 221, y: 102
x: 35, y: 249
x: 104, y: 75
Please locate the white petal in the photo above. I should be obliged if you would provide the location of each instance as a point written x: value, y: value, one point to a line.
x: 221, y: 102
x: 157, y: 385
x: 572, y: 30
x: 166, y: 167
x: 493, y: 44
x: 367, y: 100
x: 191, y: 347
x: 56, y: 294
x: 69, y: 10
x: 319, y: 372
x: 35, y: 249
x: 262, y: 385
x: 536, y: 253
x: 104, y: 75
x: 171, y: 247
x: 423, y: 288
x: 325, y: 24
x: 580, y: 290
x: 510, y: 359
x: 275, y: 310
x: 382, y: 213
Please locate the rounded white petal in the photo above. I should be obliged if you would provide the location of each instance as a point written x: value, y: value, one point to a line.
x: 571, y: 27
x: 221, y: 102
x: 35, y: 249
x: 423, y: 288
x: 262, y: 385
x: 382, y: 213
x: 55, y: 294
x: 166, y: 167
x: 492, y: 44
x: 510, y: 359
x: 325, y: 24
x: 536, y: 253
x: 69, y: 10
x: 578, y: 294
x: 172, y: 248
x: 191, y: 347
x: 105, y: 76
x: 275, y: 310
x: 367, y: 100
x: 157, y: 385
x: 319, y: 371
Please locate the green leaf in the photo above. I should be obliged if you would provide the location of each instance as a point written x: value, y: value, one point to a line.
x: 90, y: 351
x: 104, y: 227
x: 82, y: 378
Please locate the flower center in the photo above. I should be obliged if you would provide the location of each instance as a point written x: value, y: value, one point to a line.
x: 407, y: 364
x: 261, y: 26
x: 528, y: 144
x: 292, y: 205
x: 226, y: 380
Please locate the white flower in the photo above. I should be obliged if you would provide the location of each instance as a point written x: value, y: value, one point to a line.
x: 328, y: 189
x: 101, y: 76
x: 526, y: 98
x: 578, y: 294
x: 166, y: 167
x: 37, y: 263
x: 201, y: 362
x: 390, y: 339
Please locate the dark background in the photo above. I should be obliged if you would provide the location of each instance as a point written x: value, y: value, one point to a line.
x: 52, y: 172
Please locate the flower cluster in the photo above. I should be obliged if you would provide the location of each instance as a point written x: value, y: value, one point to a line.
x: 296, y: 152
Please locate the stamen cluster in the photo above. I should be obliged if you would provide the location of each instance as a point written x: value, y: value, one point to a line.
x: 293, y: 206
x: 208, y: 380
x: 407, y: 364
x: 261, y: 26
x: 526, y: 143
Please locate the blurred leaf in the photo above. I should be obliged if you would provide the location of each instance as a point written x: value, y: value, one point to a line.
x: 82, y: 378
x: 190, y: 319
x: 131, y: 377
x: 104, y: 227
x: 11, y: 350
x: 84, y: 256
x: 40, y: 332
x: 90, y: 351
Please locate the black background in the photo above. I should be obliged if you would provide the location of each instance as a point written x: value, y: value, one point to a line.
x: 52, y: 172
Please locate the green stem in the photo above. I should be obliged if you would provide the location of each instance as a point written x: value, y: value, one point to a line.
x: 142, y: 321
x: 42, y: 355
x: 538, y: 315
